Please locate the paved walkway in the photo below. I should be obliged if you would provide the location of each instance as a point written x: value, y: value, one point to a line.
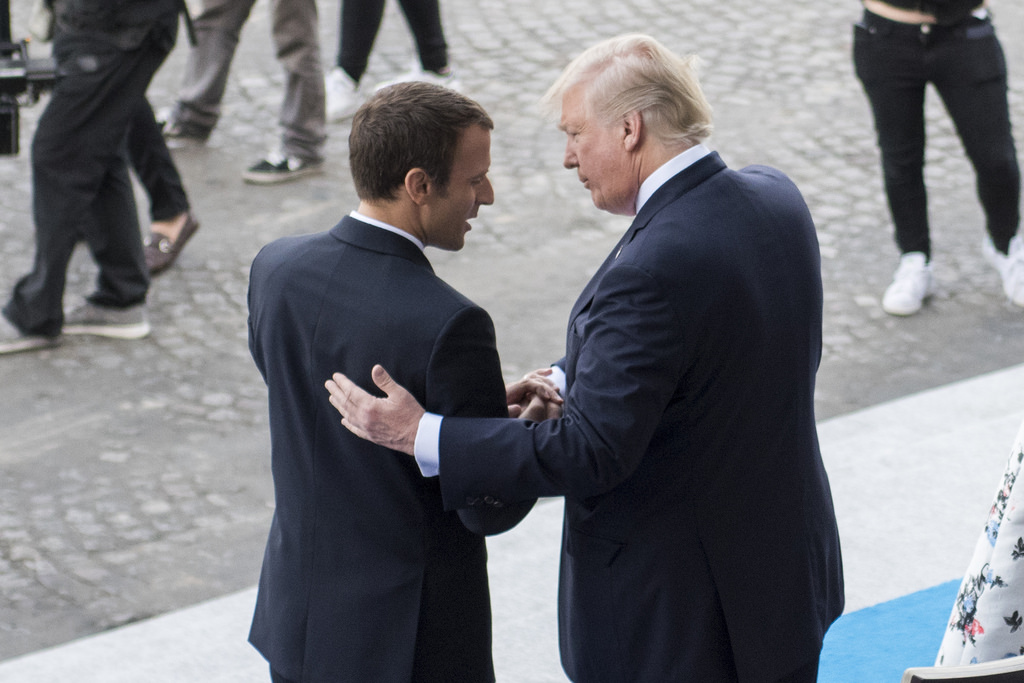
x: 912, y: 481
x: 134, y: 476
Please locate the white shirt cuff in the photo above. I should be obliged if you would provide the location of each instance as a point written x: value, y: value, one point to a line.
x: 428, y: 445
x: 427, y: 448
x: 558, y: 377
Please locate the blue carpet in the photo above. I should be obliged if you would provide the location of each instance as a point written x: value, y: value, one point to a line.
x: 876, y: 644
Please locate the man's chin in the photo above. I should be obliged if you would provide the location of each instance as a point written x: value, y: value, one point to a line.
x: 627, y: 209
x: 452, y: 245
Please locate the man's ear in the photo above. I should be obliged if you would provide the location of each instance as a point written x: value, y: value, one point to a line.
x: 633, y: 130
x: 418, y: 185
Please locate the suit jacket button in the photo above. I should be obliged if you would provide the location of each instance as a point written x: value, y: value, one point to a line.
x: 470, y: 500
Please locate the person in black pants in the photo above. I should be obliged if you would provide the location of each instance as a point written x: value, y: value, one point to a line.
x: 899, y: 47
x: 360, y: 22
x: 172, y: 221
x: 106, y: 55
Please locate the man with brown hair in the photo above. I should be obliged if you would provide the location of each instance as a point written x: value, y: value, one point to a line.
x: 366, y: 577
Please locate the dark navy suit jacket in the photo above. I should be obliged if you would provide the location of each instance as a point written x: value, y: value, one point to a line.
x: 700, y: 542
x: 365, y: 576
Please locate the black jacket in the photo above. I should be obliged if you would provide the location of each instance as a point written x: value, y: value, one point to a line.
x: 124, y: 23
x: 696, y: 500
x: 366, y: 577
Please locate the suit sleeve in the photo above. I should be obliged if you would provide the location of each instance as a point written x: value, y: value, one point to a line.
x: 628, y: 361
x: 464, y: 379
x: 255, y: 349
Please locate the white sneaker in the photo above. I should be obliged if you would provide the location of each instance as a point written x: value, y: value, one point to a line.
x: 911, y: 285
x: 446, y: 79
x: 1010, y: 267
x: 343, y: 95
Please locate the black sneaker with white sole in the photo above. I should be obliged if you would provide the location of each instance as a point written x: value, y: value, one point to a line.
x: 180, y: 134
x: 278, y: 168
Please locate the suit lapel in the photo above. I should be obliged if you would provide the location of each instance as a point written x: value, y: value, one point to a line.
x: 678, y: 185
x: 587, y: 295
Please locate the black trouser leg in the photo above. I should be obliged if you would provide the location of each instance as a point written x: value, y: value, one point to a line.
x: 155, y: 167
x: 81, y: 187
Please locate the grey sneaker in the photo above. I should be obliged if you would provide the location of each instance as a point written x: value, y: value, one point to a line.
x: 104, y: 321
x: 13, y: 340
x: 278, y: 168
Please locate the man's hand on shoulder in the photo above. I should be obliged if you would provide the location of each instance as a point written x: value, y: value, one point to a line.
x: 391, y: 422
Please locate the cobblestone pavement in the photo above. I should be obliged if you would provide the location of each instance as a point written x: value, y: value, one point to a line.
x: 134, y: 476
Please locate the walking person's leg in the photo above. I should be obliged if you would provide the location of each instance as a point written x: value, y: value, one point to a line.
x: 218, y: 29
x: 296, y: 36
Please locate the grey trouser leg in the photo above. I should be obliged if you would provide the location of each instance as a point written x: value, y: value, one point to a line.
x: 295, y: 35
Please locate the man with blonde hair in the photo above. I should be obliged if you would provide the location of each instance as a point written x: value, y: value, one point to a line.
x: 700, y: 541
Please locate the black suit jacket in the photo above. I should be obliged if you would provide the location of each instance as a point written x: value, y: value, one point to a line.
x: 700, y: 541
x: 365, y: 576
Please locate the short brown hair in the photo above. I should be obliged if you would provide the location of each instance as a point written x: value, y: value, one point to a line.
x: 406, y: 126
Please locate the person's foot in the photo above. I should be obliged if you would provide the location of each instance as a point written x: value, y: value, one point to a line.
x: 179, y: 134
x: 343, y: 95
x: 443, y: 77
x: 13, y: 340
x: 106, y: 321
x: 278, y: 168
x: 167, y: 239
x: 911, y: 285
x: 1010, y: 267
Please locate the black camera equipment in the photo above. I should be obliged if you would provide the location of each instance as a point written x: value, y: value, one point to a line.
x: 22, y: 81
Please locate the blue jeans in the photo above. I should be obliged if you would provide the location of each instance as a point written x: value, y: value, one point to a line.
x: 965, y: 63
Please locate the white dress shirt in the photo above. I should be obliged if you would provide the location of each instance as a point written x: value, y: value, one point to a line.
x: 390, y: 228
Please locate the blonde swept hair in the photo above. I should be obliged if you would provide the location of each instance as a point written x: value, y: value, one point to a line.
x: 634, y: 72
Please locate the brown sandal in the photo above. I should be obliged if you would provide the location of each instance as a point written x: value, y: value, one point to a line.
x: 161, y: 252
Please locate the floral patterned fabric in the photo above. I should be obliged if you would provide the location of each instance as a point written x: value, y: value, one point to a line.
x: 988, y: 616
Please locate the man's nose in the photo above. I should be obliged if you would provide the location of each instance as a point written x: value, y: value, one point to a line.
x: 486, y: 194
x: 569, y: 160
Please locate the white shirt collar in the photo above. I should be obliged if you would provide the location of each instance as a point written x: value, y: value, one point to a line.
x: 390, y: 228
x: 668, y: 170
